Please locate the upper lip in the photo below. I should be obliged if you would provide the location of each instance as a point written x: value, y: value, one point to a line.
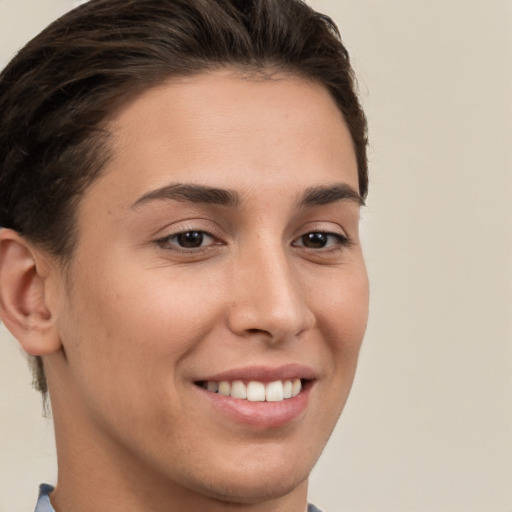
x: 264, y: 373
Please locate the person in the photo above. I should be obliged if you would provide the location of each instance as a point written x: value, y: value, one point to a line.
x: 180, y: 190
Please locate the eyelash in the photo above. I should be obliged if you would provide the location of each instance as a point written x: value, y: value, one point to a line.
x: 341, y: 241
x: 165, y: 241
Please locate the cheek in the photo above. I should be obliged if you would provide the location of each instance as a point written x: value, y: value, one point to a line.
x: 341, y: 303
x: 140, y: 322
x: 126, y: 336
x: 342, y: 315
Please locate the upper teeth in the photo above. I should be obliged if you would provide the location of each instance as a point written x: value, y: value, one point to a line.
x: 256, y: 391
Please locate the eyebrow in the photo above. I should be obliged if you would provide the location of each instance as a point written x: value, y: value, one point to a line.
x: 313, y: 196
x: 326, y: 194
x: 192, y: 193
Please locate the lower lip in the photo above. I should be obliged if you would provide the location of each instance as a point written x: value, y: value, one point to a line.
x: 260, y: 414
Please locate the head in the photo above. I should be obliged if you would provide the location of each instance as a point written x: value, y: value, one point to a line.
x: 57, y: 94
x: 71, y: 103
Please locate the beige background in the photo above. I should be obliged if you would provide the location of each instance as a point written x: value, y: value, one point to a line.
x: 429, y: 424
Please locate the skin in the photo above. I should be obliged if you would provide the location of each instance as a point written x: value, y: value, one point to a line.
x: 138, y: 319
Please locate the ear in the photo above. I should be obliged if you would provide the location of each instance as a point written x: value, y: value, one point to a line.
x: 24, y: 276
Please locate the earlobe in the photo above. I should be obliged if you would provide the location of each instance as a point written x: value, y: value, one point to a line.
x: 23, y: 305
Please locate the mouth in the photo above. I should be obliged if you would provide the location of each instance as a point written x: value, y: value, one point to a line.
x: 256, y: 391
x: 259, y: 396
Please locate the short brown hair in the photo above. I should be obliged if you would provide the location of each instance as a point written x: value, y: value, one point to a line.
x: 58, y: 92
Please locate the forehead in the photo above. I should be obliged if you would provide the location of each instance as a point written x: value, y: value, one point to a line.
x: 223, y: 129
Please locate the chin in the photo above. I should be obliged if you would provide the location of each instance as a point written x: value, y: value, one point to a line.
x: 258, y: 479
x: 255, y: 487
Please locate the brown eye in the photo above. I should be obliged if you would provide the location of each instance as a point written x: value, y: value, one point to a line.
x: 190, y: 239
x: 315, y: 240
x: 321, y: 240
x: 187, y: 240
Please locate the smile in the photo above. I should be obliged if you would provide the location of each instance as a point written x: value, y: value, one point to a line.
x: 255, y: 391
x: 259, y: 396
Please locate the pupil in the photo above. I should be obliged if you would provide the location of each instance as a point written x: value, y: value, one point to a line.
x: 190, y: 239
x: 315, y: 240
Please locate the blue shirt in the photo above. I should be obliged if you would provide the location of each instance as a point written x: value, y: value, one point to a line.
x: 44, y: 505
x: 43, y: 502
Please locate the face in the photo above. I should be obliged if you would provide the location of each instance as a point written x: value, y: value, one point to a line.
x: 218, y: 255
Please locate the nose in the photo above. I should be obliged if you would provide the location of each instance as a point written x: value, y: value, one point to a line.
x: 268, y: 298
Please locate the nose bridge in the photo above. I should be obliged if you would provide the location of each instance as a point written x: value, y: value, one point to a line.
x: 267, y: 294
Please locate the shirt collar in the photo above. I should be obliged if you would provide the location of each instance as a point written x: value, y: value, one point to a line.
x: 43, y: 502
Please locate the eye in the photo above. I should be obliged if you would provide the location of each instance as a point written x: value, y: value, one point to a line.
x: 188, y: 240
x: 321, y: 240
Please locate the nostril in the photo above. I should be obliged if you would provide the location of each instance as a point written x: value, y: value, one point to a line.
x: 259, y: 331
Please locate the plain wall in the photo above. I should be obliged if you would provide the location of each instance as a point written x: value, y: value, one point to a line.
x: 428, y: 427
